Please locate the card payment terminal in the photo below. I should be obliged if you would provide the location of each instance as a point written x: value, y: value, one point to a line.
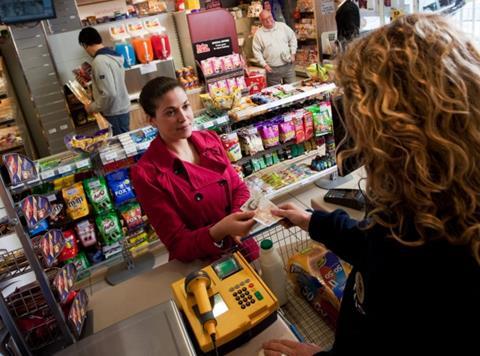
x: 241, y: 303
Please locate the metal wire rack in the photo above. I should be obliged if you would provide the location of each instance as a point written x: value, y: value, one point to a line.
x: 298, y: 311
x: 13, y: 263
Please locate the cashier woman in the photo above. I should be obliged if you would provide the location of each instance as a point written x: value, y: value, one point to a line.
x: 189, y: 190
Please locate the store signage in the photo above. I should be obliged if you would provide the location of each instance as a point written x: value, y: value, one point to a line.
x: 212, y: 48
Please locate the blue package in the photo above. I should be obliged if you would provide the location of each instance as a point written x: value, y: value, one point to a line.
x: 40, y: 227
x: 120, y: 186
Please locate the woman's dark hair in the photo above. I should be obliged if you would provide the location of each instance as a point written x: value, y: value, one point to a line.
x: 88, y: 37
x: 154, y: 90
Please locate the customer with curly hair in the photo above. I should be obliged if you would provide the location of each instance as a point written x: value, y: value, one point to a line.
x: 412, y: 99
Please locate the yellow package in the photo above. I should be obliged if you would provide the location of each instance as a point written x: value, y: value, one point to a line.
x: 63, y: 182
x: 76, y: 201
x: 320, y: 277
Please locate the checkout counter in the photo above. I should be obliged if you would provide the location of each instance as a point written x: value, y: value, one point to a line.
x: 139, y: 317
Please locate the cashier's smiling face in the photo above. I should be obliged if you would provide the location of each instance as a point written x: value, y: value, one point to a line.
x: 173, y: 116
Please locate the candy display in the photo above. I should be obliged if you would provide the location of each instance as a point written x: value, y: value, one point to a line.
x: 20, y: 168
x: 217, y: 65
x: 64, y: 281
x: 109, y: 226
x: 51, y: 245
x: 120, y: 186
x: 80, y: 261
x: 77, y: 206
x: 187, y: 78
x: 97, y: 193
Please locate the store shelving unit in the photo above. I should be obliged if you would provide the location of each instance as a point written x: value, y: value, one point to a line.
x: 25, y: 289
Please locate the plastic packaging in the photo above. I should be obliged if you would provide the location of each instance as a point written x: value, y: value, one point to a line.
x: 127, y: 52
x: 143, y: 49
x: 160, y: 45
x: 273, y: 273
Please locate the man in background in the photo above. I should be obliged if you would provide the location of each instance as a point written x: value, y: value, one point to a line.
x: 347, y: 18
x: 275, y: 46
x: 110, y: 93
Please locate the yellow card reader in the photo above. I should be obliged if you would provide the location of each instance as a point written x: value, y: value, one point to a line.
x: 225, y: 303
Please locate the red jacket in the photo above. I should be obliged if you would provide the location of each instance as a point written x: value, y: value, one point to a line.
x: 183, y: 200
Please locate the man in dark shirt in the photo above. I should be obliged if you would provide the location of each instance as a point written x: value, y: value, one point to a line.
x: 347, y: 18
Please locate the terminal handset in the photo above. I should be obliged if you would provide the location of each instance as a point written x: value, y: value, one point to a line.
x: 350, y: 198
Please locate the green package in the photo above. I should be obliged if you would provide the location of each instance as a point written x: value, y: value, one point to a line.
x: 97, y: 194
x: 109, y: 226
x: 80, y: 261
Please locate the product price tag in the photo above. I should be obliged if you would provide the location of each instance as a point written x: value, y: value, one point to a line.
x: 130, y: 151
x: 64, y: 169
x: 148, y: 68
x: 111, y: 156
x: 83, y: 163
x: 47, y: 174
x: 207, y: 124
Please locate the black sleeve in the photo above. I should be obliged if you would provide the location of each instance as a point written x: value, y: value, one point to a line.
x: 339, y: 233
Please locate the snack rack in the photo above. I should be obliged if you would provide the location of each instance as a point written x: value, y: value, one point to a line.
x: 304, y: 321
x: 25, y: 288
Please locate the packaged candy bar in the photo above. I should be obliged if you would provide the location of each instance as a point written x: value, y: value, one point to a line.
x: 95, y: 256
x: 36, y: 209
x: 77, y: 206
x: 109, y: 226
x: 299, y: 128
x: 58, y: 212
x: 78, y: 312
x: 227, y: 63
x: 236, y: 60
x: 241, y: 82
x: 231, y: 84
x: 217, y: 65
x: 232, y: 146
x: 64, y: 281
x: 51, y: 245
x: 120, y: 186
x: 70, y: 248
x: 250, y: 141
x: 97, y: 193
x: 89, y: 144
x: 20, y: 168
x: 132, y: 215
x: 112, y: 250
x: 86, y: 233
x: 207, y: 67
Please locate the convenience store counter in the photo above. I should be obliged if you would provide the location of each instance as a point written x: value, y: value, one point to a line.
x: 112, y: 304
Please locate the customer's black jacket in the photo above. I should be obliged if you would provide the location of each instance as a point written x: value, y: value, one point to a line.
x: 348, y: 21
x: 401, y: 300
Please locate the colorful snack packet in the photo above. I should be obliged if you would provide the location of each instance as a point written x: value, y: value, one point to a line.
x: 97, y: 193
x: 76, y: 201
x: 109, y: 226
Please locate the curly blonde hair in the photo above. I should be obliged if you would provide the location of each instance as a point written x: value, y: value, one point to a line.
x: 412, y: 98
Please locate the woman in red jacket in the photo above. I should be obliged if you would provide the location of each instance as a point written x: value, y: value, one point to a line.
x: 186, y: 184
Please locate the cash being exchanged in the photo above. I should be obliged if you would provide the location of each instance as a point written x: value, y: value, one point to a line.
x: 263, y: 209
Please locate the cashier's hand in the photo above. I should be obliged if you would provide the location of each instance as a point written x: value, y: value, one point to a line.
x: 268, y: 68
x: 294, y: 215
x: 236, y: 224
x: 289, y: 348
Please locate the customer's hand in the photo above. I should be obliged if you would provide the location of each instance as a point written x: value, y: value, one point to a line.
x: 294, y: 215
x: 268, y: 68
x: 236, y: 224
x: 289, y: 348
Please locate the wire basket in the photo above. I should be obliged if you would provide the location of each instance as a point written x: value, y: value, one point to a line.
x: 13, y: 263
x: 298, y: 311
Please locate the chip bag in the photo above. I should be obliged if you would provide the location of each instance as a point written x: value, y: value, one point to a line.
x: 320, y: 277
